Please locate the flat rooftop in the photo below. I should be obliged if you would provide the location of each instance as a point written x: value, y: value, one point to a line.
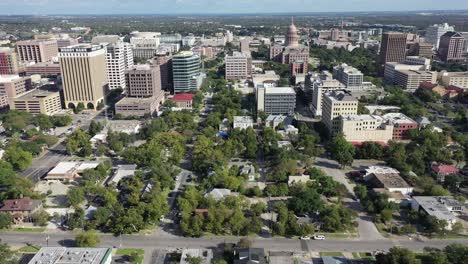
x: 136, y: 100
x: 243, y: 119
x: 9, y: 78
x: 63, y: 255
x: 279, y: 90
x: 391, y: 180
x: 36, y: 94
x: 438, y: 206
x: 140, y: 67
x: 398, y: 118
x: 340, y: 97
x: 363, y: 118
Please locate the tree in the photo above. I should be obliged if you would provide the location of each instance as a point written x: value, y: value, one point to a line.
x: 94, y: 128
x: 397, y: 255
x: 102, y: 150
x: 87, y: 239
x: 79, y: 108
x: 244, y: 242
x: 436, y: 190
x: 5, y: 220
x: 386, y: 215
x: 306, y: 202
x: 7, y: 256
x: 456, y: 253
x: 342, y: 151
x: 76, y: 196
x: 19, y: 158
x: 237, y: 222
x: 41, y: 218
x: 194, y: 260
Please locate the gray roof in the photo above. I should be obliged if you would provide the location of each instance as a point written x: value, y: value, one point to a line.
x: 251, y: 256
x: 334, y: 260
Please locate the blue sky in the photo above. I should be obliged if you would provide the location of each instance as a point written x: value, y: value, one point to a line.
x: 218, y: 6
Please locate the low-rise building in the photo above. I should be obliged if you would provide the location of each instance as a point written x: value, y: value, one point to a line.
x: 360, y: 128
x: 137, y: 106
x: 62, y: 255
x: 21, y: 209
x: 122, y: 172
x: 391, y: 182
x: 293, y: 180
x: 205, y: 255
x: 459, y: 79
x: 124, y: 126
x: 37, y: 102
x: 250, y: 255
x: 249, y: 171
x: 267, y: 79
x: 69, y: 170
x: 441, y: 207
x: 183, y: 100
x: 276, y: 100
x: 411, y: 79
x: 242, y: 122
x: 442, y: 170
x: 274, y: 121
x: 402, y: 124
x: 219, y: 194
x: 44, y: 69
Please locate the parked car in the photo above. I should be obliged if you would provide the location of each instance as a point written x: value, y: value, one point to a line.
x: 305, y: 237
x: 319, y: 237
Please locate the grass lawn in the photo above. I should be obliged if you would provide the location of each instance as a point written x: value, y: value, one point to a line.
x: 129, y: 251
x: 25, y: 229
x: 331, y: 254
x: 450, y: 236
x: 338, y: 235
x: 29, y: 249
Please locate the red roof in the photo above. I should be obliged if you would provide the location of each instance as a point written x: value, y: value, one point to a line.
x: 454, y: 88
x: 22, y: 204
x: 427, y: 85
x: 444, y: 169
x: 183, y: 97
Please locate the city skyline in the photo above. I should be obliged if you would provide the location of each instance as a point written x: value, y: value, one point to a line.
x: 14, y: 7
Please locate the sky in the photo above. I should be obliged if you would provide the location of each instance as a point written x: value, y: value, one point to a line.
x: 11, y: 7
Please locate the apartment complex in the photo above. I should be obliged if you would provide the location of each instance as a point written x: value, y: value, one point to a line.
x: 451, y: 47
x: 9, y: 61
x: 411, y: 79
x: 37, y: 50
x: 12, y: 86
x: 360, y: 128
x: 434, y: 32
x: 37, y: 102
x: 143, y: 80
x: 119, y: 57
x: 393, y: 47
x: 186, y: 72
x: 458, y: 79
x: 351, y: 77
x: 276, y: 100
x: 238, y: 66
x: 84, y: 76
x: 336, y: 105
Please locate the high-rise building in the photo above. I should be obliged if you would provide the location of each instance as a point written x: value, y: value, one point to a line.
x: 451, y: 47
x: 245, y: 45
x: 84, y: 75
x: 164, y: 61
x: 119, y: 57
x: 349, y: 76
x: 393, y: 47
x: 9, y: 63
x: 276, y: 100
x: 37, y: 50
x: 144, y: 94
x: 238, y: 66
x: 143, y: 80
x: 145, y: 46
x: 336, y: 105
x: 320, y: 87
x: 425, y: 50
x: 434, y: 32
x: 186, y: 72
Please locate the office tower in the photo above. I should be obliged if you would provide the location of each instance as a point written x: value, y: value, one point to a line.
x: 320, y: 88
x: 84, y: 75
x: 238, y: 66
x: 423, y: 49
x: 144, y: 94
x: 37, y: 102
x: 336, y: 105
x: 145, y: 44
x: 349, y: 76
x: 12, y: 86
x: 186, y: 72
x: 119, y: 57
x: 451, y: 47
x: 37, y: 50
x: 276, y: 100
x: 393, y: 47
x: 164, y: 61
x: 434, y: 32
x: 143, y: 80
x: 9, y: 63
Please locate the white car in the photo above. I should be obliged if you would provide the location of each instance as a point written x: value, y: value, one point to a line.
x: 319, y: 237
x: 305, y: 238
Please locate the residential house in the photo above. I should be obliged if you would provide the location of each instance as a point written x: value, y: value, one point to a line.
x: 21, y: 209
x: 441, y: 207
x: 250, y: 256
x: 442, y: 170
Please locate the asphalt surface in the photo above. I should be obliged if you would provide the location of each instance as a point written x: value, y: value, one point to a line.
x: 154, y: 242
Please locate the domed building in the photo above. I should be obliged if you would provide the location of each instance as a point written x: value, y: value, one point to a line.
x: 291, y: 53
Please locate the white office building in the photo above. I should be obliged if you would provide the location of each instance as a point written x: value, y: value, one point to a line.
x: 276, y: 100
x: 434, y: 32
x: 349, y: 76
x: 119, y: 57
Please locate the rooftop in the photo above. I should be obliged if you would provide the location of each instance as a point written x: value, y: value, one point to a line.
x: 63, y: 255
x: 363, y: 118
x: 438, y: 206
x: 140, y: 67
x: 36, y: 94
x: 340, y: 97
x: 391, y: 180
x: 135, y: 100
x: 398, y: 118
x: 444, y: 169
x: 123, y: 171
x: 183, y: 97
x: 279, y: 90
x: 381, y: 169
x: 373, y: 108
x: 22, y: 204
x: 243, y: 119
x: 9, y: 78
x: 205, y: 254
x: 218, y: 194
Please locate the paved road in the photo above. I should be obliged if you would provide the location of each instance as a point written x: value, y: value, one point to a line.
x: 366, y: 227
x: 152, y: 242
